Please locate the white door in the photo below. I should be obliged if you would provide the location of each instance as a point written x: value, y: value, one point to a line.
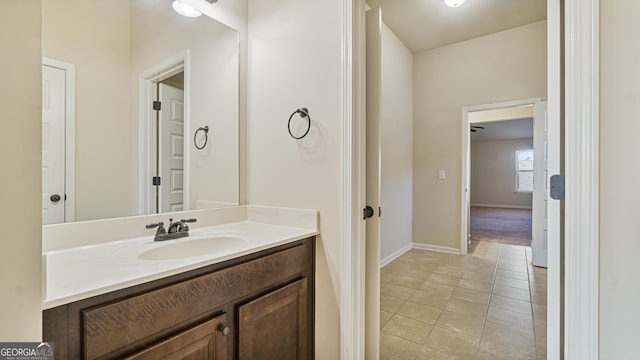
x: 374, y: 93
x: 53, y: 145
x: 171, y: 159
x: 540, y: 197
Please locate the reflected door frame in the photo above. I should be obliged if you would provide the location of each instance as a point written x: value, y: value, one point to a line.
x: 146, y: 118
x: 70, y: 135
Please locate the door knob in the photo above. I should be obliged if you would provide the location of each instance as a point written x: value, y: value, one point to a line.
x: 55, y: 198
x: 367, y: 212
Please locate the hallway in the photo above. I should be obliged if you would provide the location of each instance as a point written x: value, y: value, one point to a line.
x: 490, y: 304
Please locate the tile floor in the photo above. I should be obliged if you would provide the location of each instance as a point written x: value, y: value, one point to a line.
x: 490, y: 304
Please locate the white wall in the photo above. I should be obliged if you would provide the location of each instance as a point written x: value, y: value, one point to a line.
x: 396, y: 136
x: 493, y: 169
x: 20, y: 159
x: 508, y: 65
x: 294, y: 61
x: 619, y: 179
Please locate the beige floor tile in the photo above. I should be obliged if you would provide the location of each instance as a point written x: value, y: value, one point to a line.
x: 512, y: 319
x: 519, y: 261
x: 471, y: 295
x: 466, y: 307
x: 427, y: 353
x: 516, y: 268
x: 505, y: 281
x: 541, y: 339
x: 539, y: 312
x: 444, y: 279
x: 427, y: 298
x: 503, y: 302
x: 515, y: 293
x: 482, y: 268
x: 384, y: 317
x: 396, y: 290
x: 390, y: 303
x: 426, y: 313
x: 472, y: 275
x: 539, y: 297
x: 461, y: 323
x: 452, y: 343
x: 406, y: 281
x: 455, y: 271
x: 499, y: 338
x: 512, y: 274
x: 501, y: 355
x: 396, y: 348
x: 476, y: 285
x: 437, y: 288
x: 407, y: 328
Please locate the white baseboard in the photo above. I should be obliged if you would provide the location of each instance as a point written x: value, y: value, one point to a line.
x: 384, y: 262
x: 436, y: 248
x: 503, y: 206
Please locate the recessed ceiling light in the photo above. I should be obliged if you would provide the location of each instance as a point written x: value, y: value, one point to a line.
x: 453, y: 3
x: 185, y: 9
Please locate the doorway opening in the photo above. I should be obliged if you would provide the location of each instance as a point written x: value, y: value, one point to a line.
x: 163, y: 152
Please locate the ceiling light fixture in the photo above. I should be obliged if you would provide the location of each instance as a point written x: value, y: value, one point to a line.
x: 453, y: 3
x: 185, y: 9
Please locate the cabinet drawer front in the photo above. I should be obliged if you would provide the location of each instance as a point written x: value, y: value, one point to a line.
x: 115, y: 326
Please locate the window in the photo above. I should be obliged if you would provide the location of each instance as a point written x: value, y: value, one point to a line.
x: 524, y: 170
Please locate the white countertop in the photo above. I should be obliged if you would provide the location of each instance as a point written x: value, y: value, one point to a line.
x: 80, y: 272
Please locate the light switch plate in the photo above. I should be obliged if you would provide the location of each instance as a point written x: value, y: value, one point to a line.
x: 442, y: 174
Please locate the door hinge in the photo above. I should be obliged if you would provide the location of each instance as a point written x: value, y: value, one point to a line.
x: 556, y: 187
x: 156, y: 181
x: 379, y: 211
x: 157, y: 105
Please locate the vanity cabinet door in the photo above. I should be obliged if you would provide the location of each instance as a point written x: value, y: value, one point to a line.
x: 207, y: 341
x: 275, y: 326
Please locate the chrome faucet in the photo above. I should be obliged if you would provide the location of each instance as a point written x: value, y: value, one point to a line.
x: 176, y: 229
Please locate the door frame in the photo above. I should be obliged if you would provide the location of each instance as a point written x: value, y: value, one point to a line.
x: 146, y: 118
x: 465, y: 171
x: 70, y: 135
x: 578, y: 40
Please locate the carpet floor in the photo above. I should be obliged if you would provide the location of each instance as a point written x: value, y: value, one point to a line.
x: 506, y: 226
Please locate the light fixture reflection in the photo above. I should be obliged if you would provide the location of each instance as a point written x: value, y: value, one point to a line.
x: 453, y: 3
x: 185, y: 9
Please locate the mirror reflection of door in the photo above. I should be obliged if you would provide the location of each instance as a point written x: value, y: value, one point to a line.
x: 169, y: 150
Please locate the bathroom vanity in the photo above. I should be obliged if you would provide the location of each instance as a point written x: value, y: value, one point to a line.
x: 253, y: 298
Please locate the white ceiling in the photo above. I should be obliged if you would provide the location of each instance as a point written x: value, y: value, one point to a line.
x: 427, y: 24
x: 503, y: 130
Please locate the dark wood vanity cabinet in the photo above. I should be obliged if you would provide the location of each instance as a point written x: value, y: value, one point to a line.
x: 259, y: 306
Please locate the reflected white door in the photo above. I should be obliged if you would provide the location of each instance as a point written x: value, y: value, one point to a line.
x: 53, y: 145
x: 171, y: 164
x: 540, y: 191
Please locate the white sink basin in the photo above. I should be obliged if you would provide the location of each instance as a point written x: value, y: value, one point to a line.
x: 185, y: 248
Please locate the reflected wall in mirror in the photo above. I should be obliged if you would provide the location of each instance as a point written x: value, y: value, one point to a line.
x: 104, y: 62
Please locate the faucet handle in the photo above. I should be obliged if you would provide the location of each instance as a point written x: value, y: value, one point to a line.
x: 159, y: 225
x: 189, y: 220
x: 154, y: 225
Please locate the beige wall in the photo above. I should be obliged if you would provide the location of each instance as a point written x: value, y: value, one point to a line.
x: 493, y: 168
x: 94, y: 35
x: 295, y: 61
x: 20, y: 114
x: 619, y: 179
x: 396, y: 136
x: 504, y: 66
